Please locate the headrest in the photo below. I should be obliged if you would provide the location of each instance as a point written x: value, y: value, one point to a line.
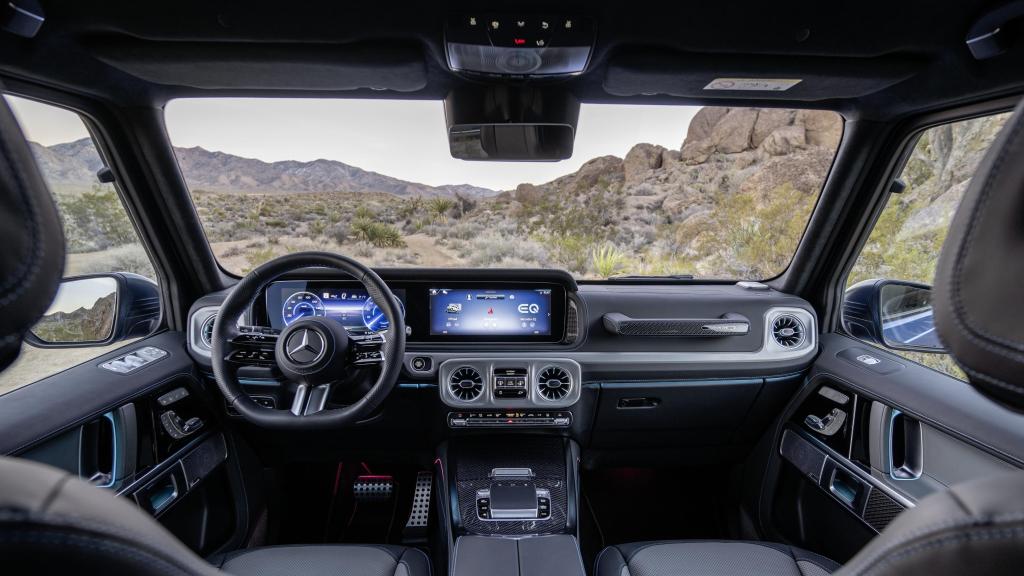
x: 979, y: 283
x: 31, y: 239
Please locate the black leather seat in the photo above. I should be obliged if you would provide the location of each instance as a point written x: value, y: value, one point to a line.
x: 710, y: 558
x: 53, y: 523
x: 976, y: 528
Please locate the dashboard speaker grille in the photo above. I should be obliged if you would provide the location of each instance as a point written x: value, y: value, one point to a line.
x: 572, y: 327
x: 788, y: 331
x: 554, y: 383
x: 206, y: 331
x: 466, y: 384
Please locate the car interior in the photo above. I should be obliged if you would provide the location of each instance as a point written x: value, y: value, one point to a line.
x: 523, y: 289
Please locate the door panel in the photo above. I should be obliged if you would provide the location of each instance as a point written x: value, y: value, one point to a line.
x: 863, y: 440
x: 127, y: 433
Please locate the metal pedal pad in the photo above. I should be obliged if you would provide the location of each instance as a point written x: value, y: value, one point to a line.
x: 373, y: 488
x: 420, y: 512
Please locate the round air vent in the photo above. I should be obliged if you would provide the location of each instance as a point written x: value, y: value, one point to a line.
x: 206, y: 331
x: 788, y: 331
x: 466, y: 384
x: 554, y: 383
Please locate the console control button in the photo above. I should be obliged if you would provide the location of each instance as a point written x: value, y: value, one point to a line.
x: 525, y: 418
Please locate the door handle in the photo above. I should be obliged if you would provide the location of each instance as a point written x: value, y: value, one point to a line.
x: 625, y: 403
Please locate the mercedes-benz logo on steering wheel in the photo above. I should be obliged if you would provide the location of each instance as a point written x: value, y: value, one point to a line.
x: 305, y: 346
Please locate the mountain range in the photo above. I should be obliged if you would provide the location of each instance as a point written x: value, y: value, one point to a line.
x: 74, y: 165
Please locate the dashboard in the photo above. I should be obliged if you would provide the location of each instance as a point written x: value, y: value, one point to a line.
x: 529, y: 348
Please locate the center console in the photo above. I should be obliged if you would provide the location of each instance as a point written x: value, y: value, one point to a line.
x: 513, y: 498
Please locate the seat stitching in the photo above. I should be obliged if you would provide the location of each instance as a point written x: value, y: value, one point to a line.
x: 88, y: 542
x: 994, y: 533
x: 953, y: 523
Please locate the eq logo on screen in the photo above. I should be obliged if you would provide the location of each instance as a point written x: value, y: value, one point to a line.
x: 529, y: 308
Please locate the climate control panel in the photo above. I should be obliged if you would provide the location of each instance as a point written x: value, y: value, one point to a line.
x: 475, y: 383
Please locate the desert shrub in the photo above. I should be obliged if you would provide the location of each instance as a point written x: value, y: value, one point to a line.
x: 377, y: 233
x: 259, y: 256
x: 364, y: 212
x: 95, y: 220
x: 339, y: 232
x: 608, y: 260
x: 571, y: 251
x: 439, y: 206
x: 315, y: 229
x: 364, y: 250
x: 125, y: 258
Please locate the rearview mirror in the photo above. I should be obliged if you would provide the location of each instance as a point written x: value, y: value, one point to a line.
x: 892, y: 313
x: 98, y: 310
x: 511, y: 123
x: 511, y: 141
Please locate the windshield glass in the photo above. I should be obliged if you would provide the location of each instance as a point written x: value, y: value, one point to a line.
x: 649, y: 190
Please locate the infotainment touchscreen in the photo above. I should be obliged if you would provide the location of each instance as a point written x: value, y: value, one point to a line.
x: 487, y: 312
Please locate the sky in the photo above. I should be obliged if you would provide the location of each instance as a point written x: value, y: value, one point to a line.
x: 81, y: 294
x: 401, y: 138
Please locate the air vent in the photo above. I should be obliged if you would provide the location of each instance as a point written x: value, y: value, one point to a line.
x: 466, y: 384
x: 554, y: 383
x: 788, y: 331
x: 206, y: 332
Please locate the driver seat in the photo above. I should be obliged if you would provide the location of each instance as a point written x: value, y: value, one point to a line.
x: 54, y: 523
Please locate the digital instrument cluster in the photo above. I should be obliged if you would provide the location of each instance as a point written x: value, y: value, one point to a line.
x: 352, y: 307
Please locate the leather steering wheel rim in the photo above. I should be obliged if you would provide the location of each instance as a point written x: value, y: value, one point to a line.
x: 240, y: 300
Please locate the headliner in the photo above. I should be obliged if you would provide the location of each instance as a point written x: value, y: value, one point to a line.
x: 868, y: 59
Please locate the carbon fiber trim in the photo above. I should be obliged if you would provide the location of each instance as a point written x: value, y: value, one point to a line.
x: 474, y: 461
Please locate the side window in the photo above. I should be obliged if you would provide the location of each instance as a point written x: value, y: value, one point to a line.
x: 907, y: 238
x: 104, y: 254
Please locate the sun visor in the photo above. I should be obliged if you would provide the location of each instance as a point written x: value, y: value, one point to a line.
x: 217, y: 65
x: 704, y: 76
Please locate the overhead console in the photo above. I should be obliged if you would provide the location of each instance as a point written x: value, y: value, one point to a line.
x: 519, y: 45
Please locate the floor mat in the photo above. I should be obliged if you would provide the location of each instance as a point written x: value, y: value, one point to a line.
x: 640, y: 504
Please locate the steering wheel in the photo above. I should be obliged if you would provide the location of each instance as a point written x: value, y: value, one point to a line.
x: 312, y: 352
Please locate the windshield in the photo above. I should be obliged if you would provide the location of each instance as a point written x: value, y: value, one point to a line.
x: 649, y: 190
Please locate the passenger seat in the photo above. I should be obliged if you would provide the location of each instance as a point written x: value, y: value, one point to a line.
x: 710, y: 558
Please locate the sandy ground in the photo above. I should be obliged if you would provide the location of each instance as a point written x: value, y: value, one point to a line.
x: 420, y: 250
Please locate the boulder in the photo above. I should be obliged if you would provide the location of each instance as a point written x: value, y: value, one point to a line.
x: 785, y: 140
x: 823, y: 127
x: 640, y: 160
x: 732, y: 133
x: 768, y: 121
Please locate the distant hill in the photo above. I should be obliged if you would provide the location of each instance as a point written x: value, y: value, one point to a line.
x: 74, y: 165
x: 82, y: 325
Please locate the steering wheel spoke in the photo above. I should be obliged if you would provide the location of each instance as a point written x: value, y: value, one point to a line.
x: 252, y: 346
x: 310, y: 399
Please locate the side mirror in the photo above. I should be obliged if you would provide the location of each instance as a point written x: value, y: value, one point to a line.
x: 98, y: 310
x: 892, y: 313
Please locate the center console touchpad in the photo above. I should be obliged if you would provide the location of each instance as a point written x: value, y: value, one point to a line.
x: 513, y: 495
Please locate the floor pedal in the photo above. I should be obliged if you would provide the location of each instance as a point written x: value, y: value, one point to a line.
x: 373, y: 488
x: 419, y: 514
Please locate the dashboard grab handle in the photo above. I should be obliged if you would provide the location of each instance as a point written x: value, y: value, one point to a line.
x: 730, y: 324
